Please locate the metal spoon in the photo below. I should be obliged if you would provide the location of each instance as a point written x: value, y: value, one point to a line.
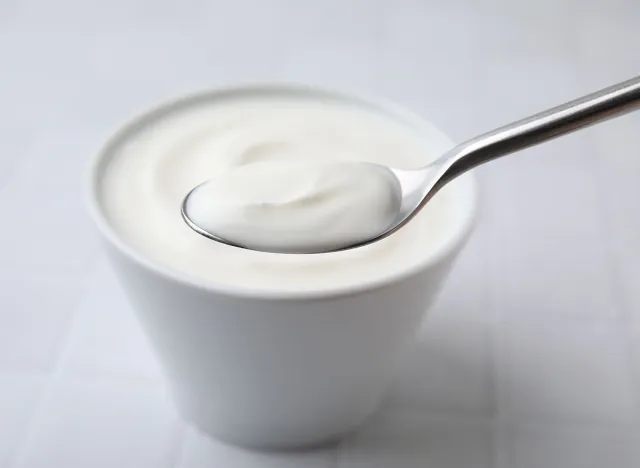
x: 418, y: 186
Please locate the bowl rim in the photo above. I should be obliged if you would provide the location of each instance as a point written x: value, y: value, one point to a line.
x: 130, y: 126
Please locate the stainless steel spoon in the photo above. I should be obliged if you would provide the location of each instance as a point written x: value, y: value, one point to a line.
x: 420, y: 185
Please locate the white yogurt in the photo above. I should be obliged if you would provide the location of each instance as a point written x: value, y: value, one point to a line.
x: 297, y: 206
x: 226, y: 136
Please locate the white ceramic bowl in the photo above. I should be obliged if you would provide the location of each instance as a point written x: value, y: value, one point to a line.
x: 279, y: 369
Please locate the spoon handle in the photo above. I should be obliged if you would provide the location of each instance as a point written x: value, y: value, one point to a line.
x: 594, y: 108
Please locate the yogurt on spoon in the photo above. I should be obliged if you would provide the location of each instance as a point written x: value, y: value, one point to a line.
x: 295, y: 207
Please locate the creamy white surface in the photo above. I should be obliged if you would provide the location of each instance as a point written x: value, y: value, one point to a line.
x: 150, y: 174
x: 297, y: 206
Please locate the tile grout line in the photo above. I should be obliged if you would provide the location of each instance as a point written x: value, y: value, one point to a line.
x: 620, y: 320
x: 618, y: 293
x: 497, y: 391
x: 55, y: 376
x: 18, y: 458
x: 178, y: 453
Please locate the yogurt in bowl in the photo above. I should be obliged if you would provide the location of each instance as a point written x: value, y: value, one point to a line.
x: 263, y: 349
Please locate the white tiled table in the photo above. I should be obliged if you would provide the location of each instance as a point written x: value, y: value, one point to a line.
x: 531, y: 359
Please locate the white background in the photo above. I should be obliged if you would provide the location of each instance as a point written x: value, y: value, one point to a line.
x: 530, y: 359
